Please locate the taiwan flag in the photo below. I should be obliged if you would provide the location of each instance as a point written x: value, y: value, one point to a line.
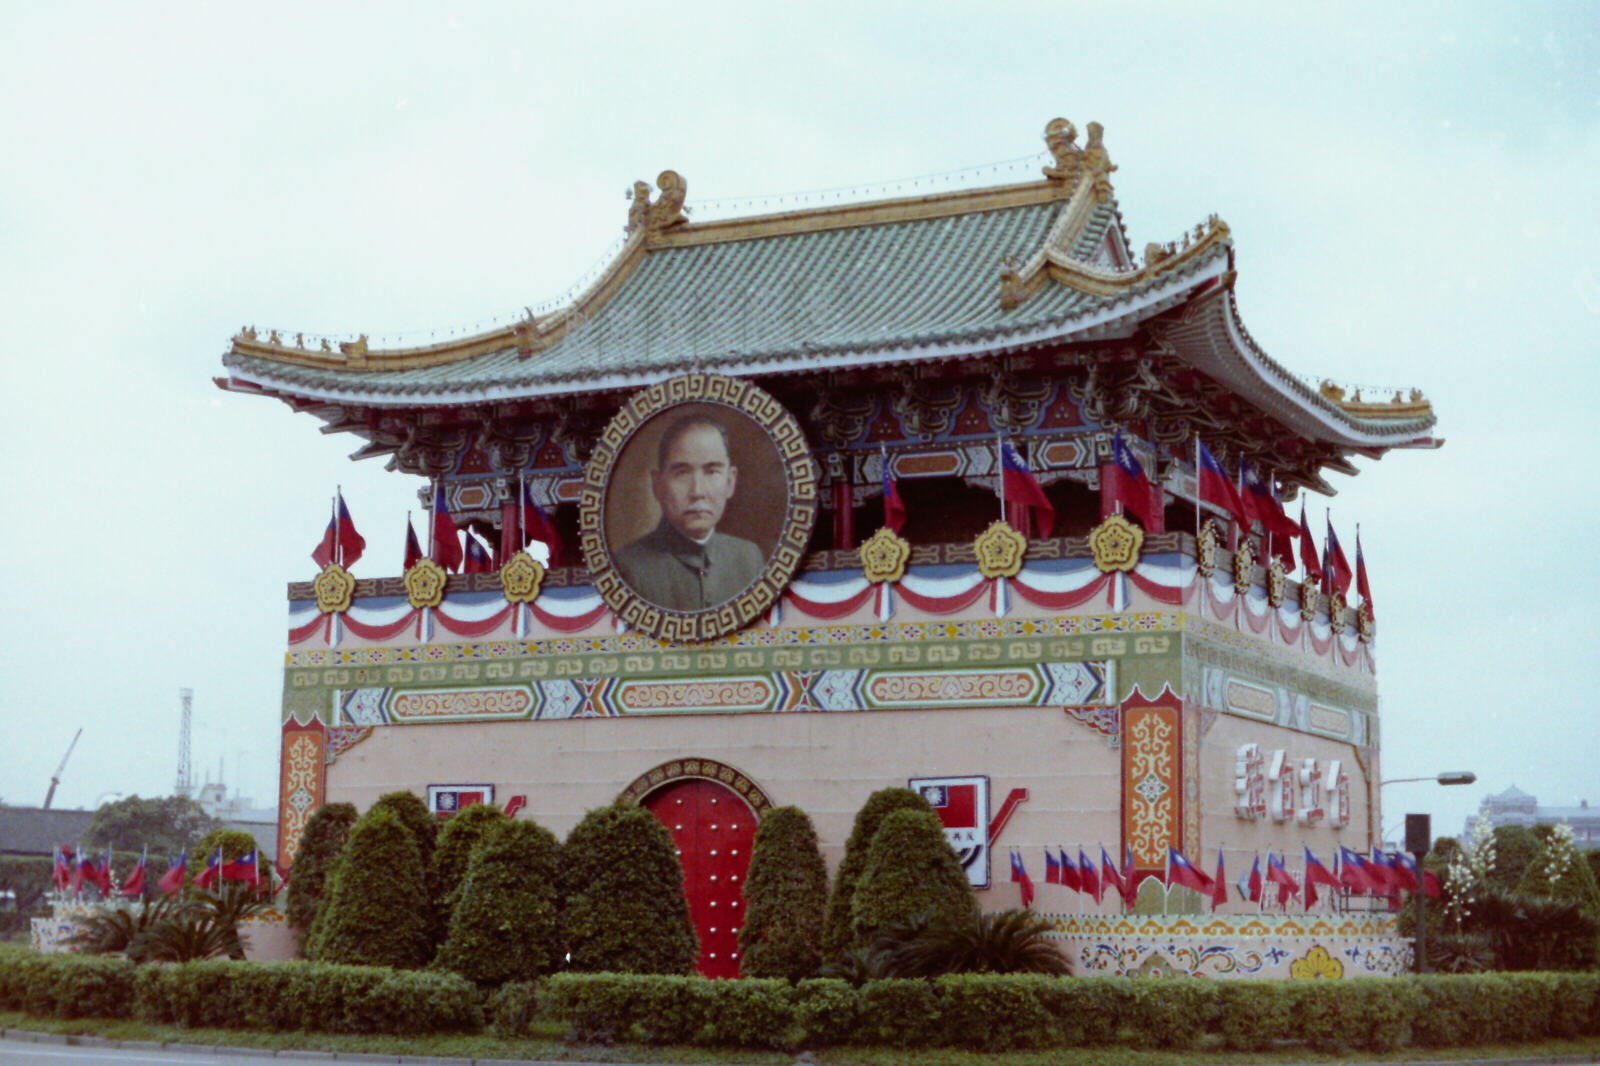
x: 446, y: 541
x: 1361, y: 577
x: 1279, y: 875
x: 1123, y: 481
x: 894, y: 508
x: 1353, y: 872
x: 1217, y: 488
x: 172, y: 880
x: 213, y: 870
x: 1052, y: 868
x: 1335, y: 568
x: 536, y: 525
x: 1308, y: 549
x: 1405, y: 873
x: 1318, y: 874
x: 1384, y: 875
x: 244, y: 868
x: 1022, y: 490
x: 61, y: 872
x: 1181, y: 872
x: 1109, y: 877
x: 133, y: 887
x: 1261, y: 499
x: 477, y: 557
x: 413, y: 549
x: 1088, y: 878
x: 1249, y: 884
x: 1019, y: 874
x: 1219, y: 884
x: 1069, y: 872
x: 340, y: 541
x: 1130, y: 877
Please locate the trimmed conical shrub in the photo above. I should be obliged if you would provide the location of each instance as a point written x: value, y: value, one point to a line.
x: 320, y: 844
x: 504, y: 924
x: 785, y: 894
x: 375, y: 912
x: 836, y: 935
x: 415, y: 816
x: 460, y: 835
x: 912, y: 875
x: 625, y: 909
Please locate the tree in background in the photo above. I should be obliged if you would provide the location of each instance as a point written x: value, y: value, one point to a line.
x: 625, y: 911
x: 836, y: 934
x: 785, y: 896
x: 1514, y: 848
x: 166, y: 825
x: 504, y: 926
x: 460, y: 835
x: 320, y: 844
x: 912, y: 875
x: 375, y: 910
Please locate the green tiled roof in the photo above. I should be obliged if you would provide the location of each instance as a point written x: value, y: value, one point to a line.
x: 767, y: 301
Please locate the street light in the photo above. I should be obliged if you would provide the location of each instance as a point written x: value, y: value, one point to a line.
x: 1418, y: 836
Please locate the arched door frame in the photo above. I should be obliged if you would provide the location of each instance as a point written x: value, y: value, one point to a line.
x: 710, y: 770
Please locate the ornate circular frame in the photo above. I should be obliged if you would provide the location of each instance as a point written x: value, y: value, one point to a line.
x: 800, y: 479
x: 709, y: 769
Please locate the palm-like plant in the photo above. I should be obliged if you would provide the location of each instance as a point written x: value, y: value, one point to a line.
x: 121, y: 929
x: 1011, y: 941
x: 231, y: 903
x: 188, y: 935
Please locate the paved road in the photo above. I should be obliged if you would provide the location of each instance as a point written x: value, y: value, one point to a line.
x: 15, y: 1052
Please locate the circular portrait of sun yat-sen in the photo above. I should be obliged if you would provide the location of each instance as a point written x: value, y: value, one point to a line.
x: 697, y: 506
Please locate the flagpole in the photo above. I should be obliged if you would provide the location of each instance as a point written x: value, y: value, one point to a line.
x: 1000, y: 455
x: 522, y: 511
x: 1198, y: 496
x: 433, y: 518
x: 333, y: 518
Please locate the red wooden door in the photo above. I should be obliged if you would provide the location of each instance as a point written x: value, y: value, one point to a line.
x: 713, y: 829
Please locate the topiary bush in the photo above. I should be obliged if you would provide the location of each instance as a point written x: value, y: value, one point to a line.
x: 320, y: 844
x: 453, y: 850
x: 625, y: 909
x: 376, y: 908
x: 504, y: 925
x: 785, y: 895
x: 912, y: 873
x: 837, y: 937
x: 418, y: 820
x: 234, y: 844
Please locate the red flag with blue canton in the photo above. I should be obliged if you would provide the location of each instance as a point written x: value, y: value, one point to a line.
x: 1279, y: 875
x: 1361, y: 577
x: 413, y: 549
x: 1308, y: 549
x: 351, y: 543
x: 1130, y: 876
x: 172, y: 880
x: 1109, y: 877
x: 1069, y: 872
x: 325, y: 550
x: 536, y: 525
x: 1019, y: 874
x: 213, y: 870
x: 1216, y: 487
x: 243, y: 868
x: 1052, y: 868
x: 1335, y: 568
x: 1123, y: 481
x: 1021, y: 488
x: 1261, y: 500
x: 1219, y: 884
x: 1381, y: 868
x: 1181, y: 872
x: 133, y: 887
x: 1405, y: 872
x: 61, y: 874
x: 1088, y: 878
x: 477, y: 556
x: 1249, y: 885
x: 894, y: 507
x: 446, y: 542
x: 1317, y: 873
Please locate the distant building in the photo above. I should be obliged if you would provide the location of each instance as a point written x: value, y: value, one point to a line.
x: 38, y: 830
x: 1516, y: 807
x: 240, y: 813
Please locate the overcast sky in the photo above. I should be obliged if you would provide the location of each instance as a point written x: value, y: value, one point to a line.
x: 1412, y: 196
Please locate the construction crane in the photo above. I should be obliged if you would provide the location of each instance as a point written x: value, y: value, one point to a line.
x: 55, y: 778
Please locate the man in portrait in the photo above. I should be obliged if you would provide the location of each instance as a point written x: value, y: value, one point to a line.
x: 685, y: 564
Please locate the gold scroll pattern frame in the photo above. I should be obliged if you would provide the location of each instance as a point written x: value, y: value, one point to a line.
x: 1152, y: 779
x: 800, y: 479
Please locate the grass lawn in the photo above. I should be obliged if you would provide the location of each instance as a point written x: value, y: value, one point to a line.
x: 546, y: 1044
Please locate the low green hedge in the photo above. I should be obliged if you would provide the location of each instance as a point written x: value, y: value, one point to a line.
x: 226, y: 994
x: 984, y: 1012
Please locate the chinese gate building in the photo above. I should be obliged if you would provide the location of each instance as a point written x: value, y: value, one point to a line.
x: 1103, y: 682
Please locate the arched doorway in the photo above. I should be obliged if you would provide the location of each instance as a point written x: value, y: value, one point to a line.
x: 713, y: 829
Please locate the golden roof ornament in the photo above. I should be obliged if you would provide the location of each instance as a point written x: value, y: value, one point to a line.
x: 1364, y: 625
x: 1308, y: 601
x: 1244, y: 565
x: 334, y: 588
x: 1277, y: 583
x: 1205, y: 553
x: 665, y: 212
x: 1116, y: 543
x: 1000, y: 549
x: 1059, y: 135
x: 884, y: 556
x: 1336, y: 612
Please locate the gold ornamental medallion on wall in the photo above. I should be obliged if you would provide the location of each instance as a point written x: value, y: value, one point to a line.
x: 1244, y: 566
x: 1000, y: 549
x: 521, y: 577
x: 884, y: 556
x: 425, y: 584
x: 1116, y: 543
x: 1336, y: 612
x: 1364, y: 624
x: 1277, y: 583
x: 1308, y: 600
x: 1205, y: 554
x: 335, y: 589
